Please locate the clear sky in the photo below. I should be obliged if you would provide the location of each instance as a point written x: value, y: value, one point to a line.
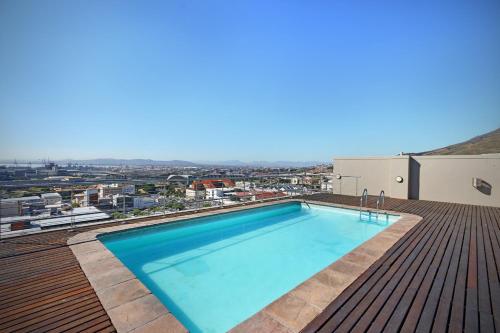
x: 248, y: 80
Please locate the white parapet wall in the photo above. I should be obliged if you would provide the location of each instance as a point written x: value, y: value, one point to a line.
x: 372, y: 173
x: 468, y: 179
x: 450, y: 178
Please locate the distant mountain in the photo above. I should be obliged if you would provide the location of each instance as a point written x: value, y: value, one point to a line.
x: 178, y: 163
x: 129, y: 162
x: 487, y: 143
x: 264, y: 164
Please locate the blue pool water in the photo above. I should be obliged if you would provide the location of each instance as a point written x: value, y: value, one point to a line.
x: 215, y: 272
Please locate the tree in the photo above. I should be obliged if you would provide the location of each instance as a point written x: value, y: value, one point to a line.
x: 137, y: 212
x: 148, y: 188
x: 118, y: 215
x: 175, y: 205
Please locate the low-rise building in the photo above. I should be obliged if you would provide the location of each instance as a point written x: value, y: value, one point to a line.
x: 212, y: 183
x: 144, y: 202
x: 20, y: 206
x: 179, y: 180
x: 108, y: 190
x: 195, y: 194
x: 10, y: 207
x: 118, y: 201
x: 214, y: 193
x: 89, y: 197
x: 51, y: 198
x: 243, y: 196
x: 209, y: 188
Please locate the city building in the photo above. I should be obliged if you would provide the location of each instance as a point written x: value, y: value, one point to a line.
x: 51, y: 198
x: 209, y: 188
x: 89, y: 197
x: 214, y: 193
x: 195, y: 194
x: 20, y: 206
x: 213, y: 183
x: 50, y: 169
x: 179, y: 180
x: 108, y: 190
x: 144, y: 202
x: 118, y: 201
x: 243, y: 196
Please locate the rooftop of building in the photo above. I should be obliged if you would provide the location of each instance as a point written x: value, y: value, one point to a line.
x: 441, y: 275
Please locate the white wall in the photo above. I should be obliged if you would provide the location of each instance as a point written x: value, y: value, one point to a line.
x: 445, y: 178
x: 449, y: 178
x: 373, y: 173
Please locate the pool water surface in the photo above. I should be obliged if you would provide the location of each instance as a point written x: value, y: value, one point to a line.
x: 214, y: 272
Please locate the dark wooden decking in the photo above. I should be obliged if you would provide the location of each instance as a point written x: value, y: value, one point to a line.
x: 443, y: 275
x: 42, y: 288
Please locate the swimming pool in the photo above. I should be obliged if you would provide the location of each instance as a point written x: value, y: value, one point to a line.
x: 214, y: 272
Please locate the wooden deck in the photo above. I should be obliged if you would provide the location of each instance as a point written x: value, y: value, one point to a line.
x: 44, y: 289
x: 443, y: 275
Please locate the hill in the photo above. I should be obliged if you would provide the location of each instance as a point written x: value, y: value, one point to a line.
x: 488, y: 143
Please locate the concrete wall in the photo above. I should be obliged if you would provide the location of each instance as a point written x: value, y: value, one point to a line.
x: 372, y: 173
x: 437, y: 178
x: 449, y: 178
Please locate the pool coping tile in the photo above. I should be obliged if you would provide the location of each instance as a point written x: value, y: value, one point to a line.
x: 133, y: 308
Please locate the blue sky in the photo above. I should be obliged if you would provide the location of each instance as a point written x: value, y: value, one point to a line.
x: 248, y: 80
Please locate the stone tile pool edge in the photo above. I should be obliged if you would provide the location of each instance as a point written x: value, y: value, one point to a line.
x: 133, y: 308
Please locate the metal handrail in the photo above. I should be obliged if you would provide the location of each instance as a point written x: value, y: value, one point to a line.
x: 380, y: 201
x: 365, y: 197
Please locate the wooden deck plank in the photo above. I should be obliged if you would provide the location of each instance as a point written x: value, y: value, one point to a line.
x: 364, y: 295
x: 458, y: 302
x: 422, y: 281
x: 483, y: 289
x: 429, y: 302
x: 493, y: 261
x: 425, y: 302
x: 387, y: 299
x: 453, y: 287
x: 443, y: 275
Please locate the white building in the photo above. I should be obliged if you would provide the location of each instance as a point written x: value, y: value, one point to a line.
x: 19, y: 206
x: 214, y: 193
x: 90, y: 197
x: 108, y: 190
x: 244, y: 185
x: 119, y: 199
x: 195, y: 194
x: 51, y: 198
x: 144, y: 202
x: 10, y: 207
x: 128, y: 189
x: 179, y: 180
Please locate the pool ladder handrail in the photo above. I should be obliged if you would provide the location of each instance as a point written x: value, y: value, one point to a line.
x: 381, y: 201
x: 306, y: 203
x: 364, y: 197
